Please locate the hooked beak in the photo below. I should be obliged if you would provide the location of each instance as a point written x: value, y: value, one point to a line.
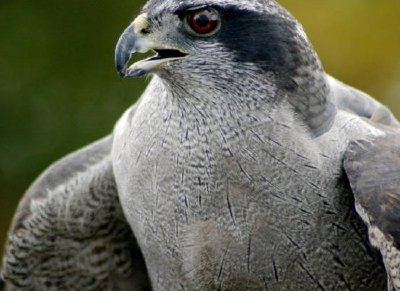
x: 135, y: 40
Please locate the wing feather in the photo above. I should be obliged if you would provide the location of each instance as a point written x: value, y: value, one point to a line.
x: 352, y: 100
x: 69, y: 232
x: 373, y: 170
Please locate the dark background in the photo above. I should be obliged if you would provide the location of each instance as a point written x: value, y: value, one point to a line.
x: 59, y: 90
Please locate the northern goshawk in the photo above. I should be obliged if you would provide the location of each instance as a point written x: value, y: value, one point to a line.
x: 243, y: 166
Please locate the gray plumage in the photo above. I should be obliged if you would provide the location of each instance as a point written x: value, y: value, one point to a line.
x: 243, y: 166
x: 374, y: 174
x: 69, y: 232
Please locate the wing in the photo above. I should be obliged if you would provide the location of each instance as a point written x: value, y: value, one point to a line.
x: 350, y: 99
x: 373, y: 170
x: 69, y: 232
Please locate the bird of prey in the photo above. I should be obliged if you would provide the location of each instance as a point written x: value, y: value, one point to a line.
x: 243, y: 166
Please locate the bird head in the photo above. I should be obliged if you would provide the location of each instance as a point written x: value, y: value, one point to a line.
x: 203, y: 37
x: 243, y: 49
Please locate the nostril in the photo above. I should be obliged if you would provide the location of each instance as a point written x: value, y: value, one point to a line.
x: 145, y: 31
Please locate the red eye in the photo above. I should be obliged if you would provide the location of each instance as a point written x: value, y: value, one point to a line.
x: 204, y: 21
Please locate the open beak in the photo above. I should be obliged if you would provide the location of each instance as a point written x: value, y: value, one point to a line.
x: 133, y: 41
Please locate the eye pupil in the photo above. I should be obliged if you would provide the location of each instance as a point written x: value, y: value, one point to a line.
x: 203, y: 21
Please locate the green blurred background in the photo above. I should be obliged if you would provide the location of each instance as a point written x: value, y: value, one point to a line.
x: 59, y: 90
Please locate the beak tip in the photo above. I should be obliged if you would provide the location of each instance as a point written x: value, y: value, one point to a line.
x: 124, y: 50
x: 121, y: 72
x: 121, y: 64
